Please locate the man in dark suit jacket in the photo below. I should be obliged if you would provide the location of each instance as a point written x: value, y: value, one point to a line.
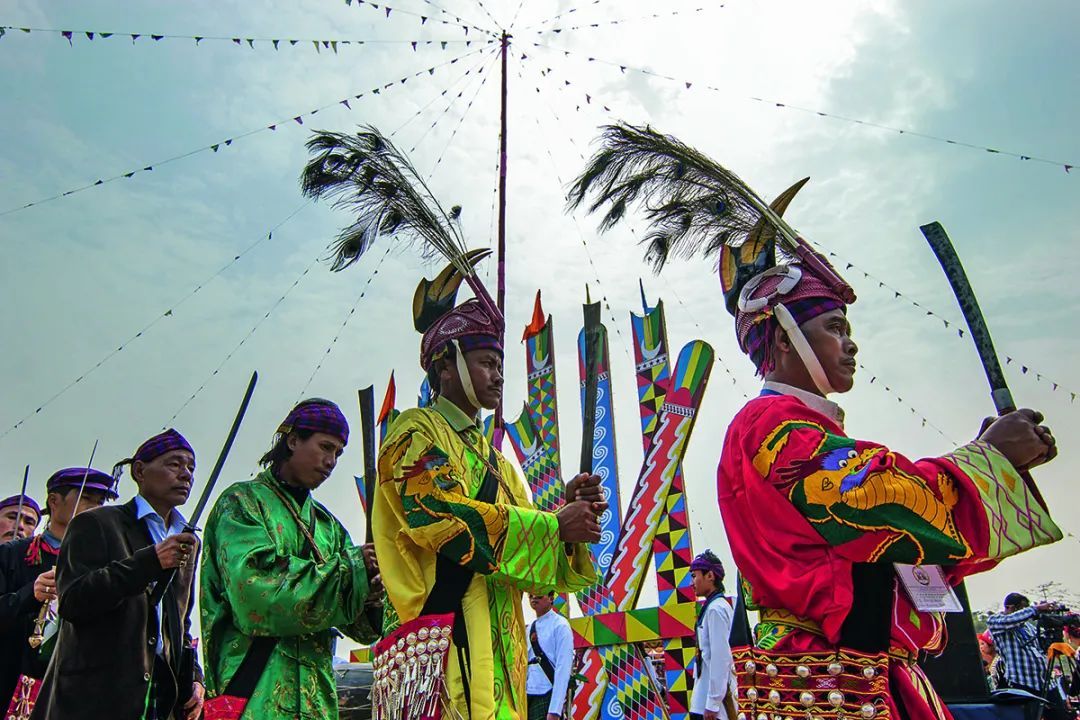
x: 118, y: 656
x: 28, y: 579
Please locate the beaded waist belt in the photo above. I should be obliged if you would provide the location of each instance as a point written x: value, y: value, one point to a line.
x: 826, y: 685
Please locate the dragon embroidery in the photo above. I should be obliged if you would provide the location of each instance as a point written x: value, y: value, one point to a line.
x: 847, y: 491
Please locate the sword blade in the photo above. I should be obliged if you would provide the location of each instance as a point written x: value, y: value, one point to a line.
x: 954, y: 272
x: 593, y: 331
x: 366, y: 396
x: 22, y: 496
x: 82, y: 485
x: 193, y: 521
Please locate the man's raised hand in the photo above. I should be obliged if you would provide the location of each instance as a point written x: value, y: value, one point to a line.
x: 176, y: 551
x: 1021, y: 438
x: 578, y: 522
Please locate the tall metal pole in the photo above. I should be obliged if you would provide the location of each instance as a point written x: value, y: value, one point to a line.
x: 500, y: 297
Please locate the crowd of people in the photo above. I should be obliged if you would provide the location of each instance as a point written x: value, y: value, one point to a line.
x: 828, y: 532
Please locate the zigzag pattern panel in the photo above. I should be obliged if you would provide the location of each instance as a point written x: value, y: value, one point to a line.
x: 623, y: 584
x: 605, y: 462
x: 672, y: 551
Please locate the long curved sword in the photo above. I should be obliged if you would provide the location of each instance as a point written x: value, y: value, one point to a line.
x: 208, y: 489
x: 954, y: 271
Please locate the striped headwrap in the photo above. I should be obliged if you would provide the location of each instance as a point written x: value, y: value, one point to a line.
x: 317, y: 415
x: 469, y: 323
x: 160, y: 444
x: 802, y: 292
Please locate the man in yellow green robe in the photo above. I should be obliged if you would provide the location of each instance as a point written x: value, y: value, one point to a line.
x: 428, y: 522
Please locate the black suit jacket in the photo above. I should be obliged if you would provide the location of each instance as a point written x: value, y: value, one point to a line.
x: 106, y: 647
x: 18, y: 611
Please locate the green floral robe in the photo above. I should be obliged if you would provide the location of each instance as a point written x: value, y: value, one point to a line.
x: 430, y: 470
x: 260, y: 578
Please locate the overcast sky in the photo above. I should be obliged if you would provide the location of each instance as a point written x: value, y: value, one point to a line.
x: 83, y: 274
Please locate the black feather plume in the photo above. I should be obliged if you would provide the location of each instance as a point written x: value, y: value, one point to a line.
x: 366, y: 174
x: 693, y: 205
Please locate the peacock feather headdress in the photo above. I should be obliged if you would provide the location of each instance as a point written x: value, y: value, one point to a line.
x: 694, y: 206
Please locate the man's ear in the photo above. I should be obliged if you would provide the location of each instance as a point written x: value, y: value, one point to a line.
x: 780, y: 340
x: 136, y: 471
x: 291, y: 441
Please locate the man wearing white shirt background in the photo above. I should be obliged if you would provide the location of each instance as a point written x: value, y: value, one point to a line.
x: 713, y: 631
x: 551, y: 656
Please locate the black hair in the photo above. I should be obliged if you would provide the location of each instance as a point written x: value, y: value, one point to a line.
x: 1014, y: 599
x: 280, y: 451
x: 711, y: 557
x: 62, y: 491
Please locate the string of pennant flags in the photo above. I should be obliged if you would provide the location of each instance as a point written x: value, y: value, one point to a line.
x: 446, y: 13
x: 215, y: 147
x: 447, y: 91
x: 243, y: 340
x: 900, y: 296
x: 874, y: 380
x: 925, y: 422
x: 249, y: 42
x: 488, y: 13
x: 464, y: 114
x: 1025, y: 369
x: 387, y: 10
x: 623, y: 21
x: 517, y: 11
x: 624, y: 343
x: 563, y: 14
x: 167, y: 313
x: 451, y: 98
x: 345, y: 322
x: 375, y: 271
x: 689, y: 84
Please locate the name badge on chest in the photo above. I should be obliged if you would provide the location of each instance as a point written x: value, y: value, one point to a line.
x: 928, y: 588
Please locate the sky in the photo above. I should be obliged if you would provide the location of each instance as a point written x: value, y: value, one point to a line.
x: 165, y: 290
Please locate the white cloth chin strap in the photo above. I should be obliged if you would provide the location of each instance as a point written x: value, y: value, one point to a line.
x: 466, y: 378
x: 802, y: 347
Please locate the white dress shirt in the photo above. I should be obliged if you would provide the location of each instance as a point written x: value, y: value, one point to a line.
x: 714, y: 668
x: 557, y: 641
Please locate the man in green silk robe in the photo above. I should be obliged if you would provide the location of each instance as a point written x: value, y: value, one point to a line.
x: 432, y: 464
x: 261, y: 577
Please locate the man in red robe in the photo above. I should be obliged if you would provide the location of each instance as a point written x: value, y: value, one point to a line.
x: 818, y: 520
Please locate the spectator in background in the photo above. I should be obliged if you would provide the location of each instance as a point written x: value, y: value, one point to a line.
x: 1016, y: 636
x: 711, y: 698
x: 551, y: 657
x: 993, y: 665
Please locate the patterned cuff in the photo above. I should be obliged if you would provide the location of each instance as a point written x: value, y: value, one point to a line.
x: 531, y: 549
x: 1017, y: 521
